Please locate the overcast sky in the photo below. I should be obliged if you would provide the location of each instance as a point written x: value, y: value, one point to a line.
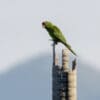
x: 22, y: 36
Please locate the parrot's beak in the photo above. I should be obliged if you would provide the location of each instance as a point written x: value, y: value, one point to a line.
x: 43, y: 24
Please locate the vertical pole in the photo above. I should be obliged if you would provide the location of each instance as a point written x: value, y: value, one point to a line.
x: 72, y: 82
x: 65, y: 59
x: 68, y: 79
x: 64, y: 75
x: 53, y: 73
x: 64, y: 80
x: 54, y: 52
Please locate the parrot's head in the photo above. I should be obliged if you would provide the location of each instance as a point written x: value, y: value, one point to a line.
x: 47, y: 24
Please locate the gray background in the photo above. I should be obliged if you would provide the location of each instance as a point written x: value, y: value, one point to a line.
x: 22, y: 36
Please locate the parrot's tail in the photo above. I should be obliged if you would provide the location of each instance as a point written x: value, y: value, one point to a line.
x: 69, y: 47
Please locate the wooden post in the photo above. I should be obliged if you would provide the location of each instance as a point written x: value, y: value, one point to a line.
x: 72, y: 84
x: 56, y: 72
x: 63, y: 78
x: 68, y: 79
x: 65, y: 59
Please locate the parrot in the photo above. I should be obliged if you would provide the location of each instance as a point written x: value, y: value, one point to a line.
x: 56, y: 34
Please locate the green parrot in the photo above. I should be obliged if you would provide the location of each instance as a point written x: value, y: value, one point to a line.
x: 56, y: 34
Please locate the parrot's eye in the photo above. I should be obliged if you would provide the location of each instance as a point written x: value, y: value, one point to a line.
x: 43, y: 24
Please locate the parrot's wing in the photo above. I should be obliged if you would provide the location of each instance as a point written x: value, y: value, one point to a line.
x: 59, y: 34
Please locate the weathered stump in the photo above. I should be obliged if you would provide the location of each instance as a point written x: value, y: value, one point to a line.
x: 64, y: 78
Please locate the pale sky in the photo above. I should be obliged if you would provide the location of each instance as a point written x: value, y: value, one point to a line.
x: 21, y: 34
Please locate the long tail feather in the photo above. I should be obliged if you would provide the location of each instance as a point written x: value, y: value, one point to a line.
x: 69, y: 47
